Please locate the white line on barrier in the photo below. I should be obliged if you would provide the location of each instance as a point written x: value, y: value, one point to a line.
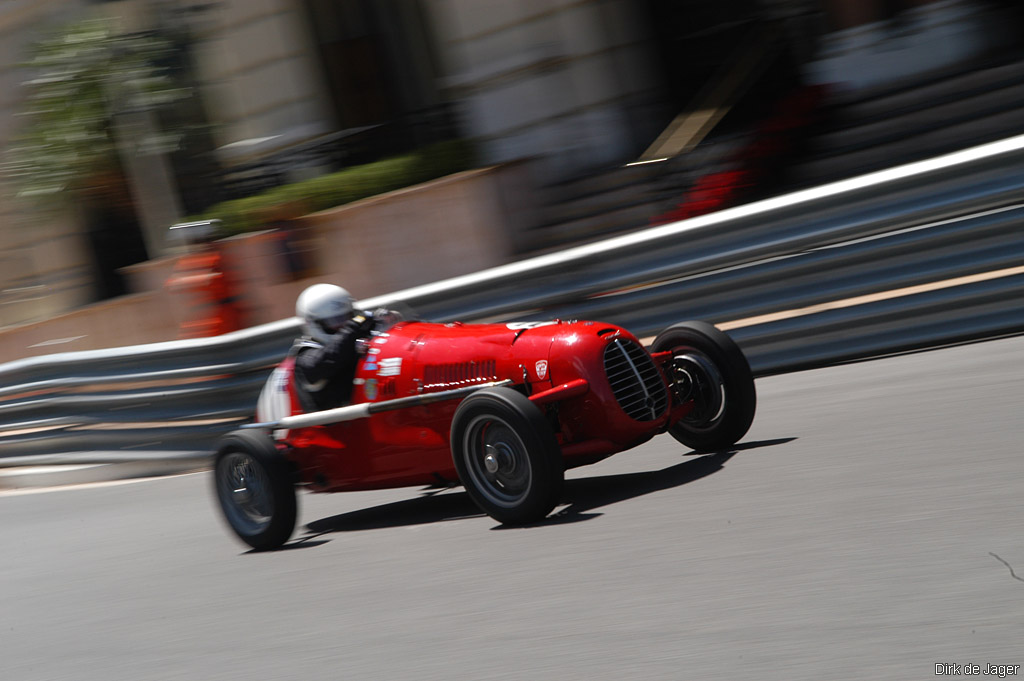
x: 862, y: 300
x: 871, y: 298
x: 524, y: 267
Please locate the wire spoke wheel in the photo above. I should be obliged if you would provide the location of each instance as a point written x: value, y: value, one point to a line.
x: 253, y: 484
x: 507, y: 456
x: 694, y: 376
x: 243, y: 482
x: 497, y: 461
x: 707, y: 370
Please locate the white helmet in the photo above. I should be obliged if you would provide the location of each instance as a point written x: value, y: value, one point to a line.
x: 323, y: 308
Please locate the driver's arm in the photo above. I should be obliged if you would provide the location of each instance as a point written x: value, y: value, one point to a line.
x: 337, y: 355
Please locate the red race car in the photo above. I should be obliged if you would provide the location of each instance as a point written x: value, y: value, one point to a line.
x: 503, y: 409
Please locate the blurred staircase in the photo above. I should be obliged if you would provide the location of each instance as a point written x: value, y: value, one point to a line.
x: 954, y: 109
x: 609, y: 201
x: 945, y: 111
x: 623, y: 198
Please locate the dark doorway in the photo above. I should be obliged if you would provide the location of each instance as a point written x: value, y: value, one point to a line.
x: 355, y: 66
x: 701, y: 44
x: 694, y: 38
x: 116, y: 241
x: 378, y: 60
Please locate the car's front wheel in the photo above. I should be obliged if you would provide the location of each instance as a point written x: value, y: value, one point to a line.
x: 709, y: 369
x: 254, y: 487
x: 506, y: 455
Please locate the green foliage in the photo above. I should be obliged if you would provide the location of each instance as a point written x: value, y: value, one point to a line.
x: 85, y: 75
x: 91, y: 86
x: 345, y: 186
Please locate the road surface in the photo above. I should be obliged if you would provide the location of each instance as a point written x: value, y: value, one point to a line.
x: 869, y: 527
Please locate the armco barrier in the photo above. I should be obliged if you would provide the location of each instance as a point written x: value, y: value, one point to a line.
x: 953, y: 185
x: 95, y: 406
x: 800, y: 280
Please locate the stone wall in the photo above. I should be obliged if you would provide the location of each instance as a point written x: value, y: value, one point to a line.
x: 45, y: 262
x: 573, y: 82
x: 452, y: 226
x: 260, y: 75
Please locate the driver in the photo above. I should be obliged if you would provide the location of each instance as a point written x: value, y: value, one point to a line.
x: 327, y: 354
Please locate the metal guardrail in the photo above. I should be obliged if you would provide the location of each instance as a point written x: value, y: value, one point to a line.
x: 176, y: 395
x: 799, y: 281
x: 954, y: 185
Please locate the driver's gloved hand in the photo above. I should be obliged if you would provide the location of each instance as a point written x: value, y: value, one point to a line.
x: 386, y: 317
x: 366, y: 322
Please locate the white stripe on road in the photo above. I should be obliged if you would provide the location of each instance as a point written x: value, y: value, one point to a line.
x: 20, y: 491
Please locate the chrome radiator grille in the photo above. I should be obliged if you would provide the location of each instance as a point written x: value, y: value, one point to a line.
x: 634, y: 379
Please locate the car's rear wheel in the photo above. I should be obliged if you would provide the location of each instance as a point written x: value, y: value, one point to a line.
x: 254, y: 487
x: 708, y: 368
x: 506, y: 455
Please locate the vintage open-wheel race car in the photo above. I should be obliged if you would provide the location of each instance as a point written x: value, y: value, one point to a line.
x: 503, y: 409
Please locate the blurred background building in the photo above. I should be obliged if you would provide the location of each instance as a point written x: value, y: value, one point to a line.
x: 274, y: 91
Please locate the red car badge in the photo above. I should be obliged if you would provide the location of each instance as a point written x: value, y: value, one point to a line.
x: 542, y: 369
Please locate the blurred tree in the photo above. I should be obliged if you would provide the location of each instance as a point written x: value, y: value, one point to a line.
x: 87, y: 76
x: 103, y: 114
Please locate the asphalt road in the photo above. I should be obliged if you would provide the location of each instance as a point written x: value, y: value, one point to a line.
x: 868, y: 528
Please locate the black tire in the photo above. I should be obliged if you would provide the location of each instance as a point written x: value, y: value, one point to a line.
x: 506, y: 455
x: 254, y: 486
x: 709, y: 367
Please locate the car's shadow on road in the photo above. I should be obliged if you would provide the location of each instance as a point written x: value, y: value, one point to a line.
x: 579, y: 499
